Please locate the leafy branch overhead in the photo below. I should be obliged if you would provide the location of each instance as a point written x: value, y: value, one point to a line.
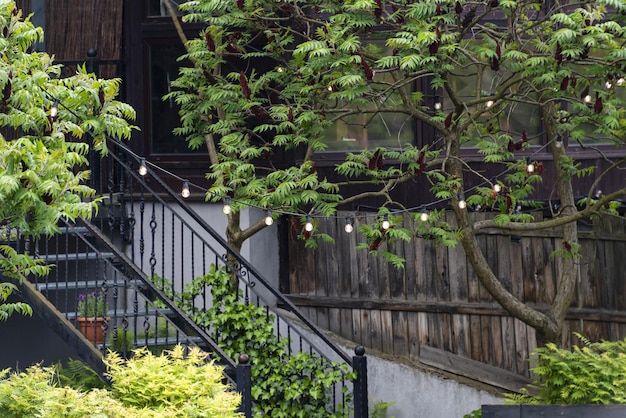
x: 47, y: 125
x: 495, y: 82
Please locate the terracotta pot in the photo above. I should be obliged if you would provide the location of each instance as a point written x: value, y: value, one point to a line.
x: 93, y: 328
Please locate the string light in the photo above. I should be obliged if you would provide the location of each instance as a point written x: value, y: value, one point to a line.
x: 54, y: 110
x: 348, y: 228
x: 386, y: 224
x: 308, y: 226
x: 608, y: 84
x: 226, y: 208
x: 558, y: 141
x: 497, y: 187
x: 587, y: 99
x: 620, y: 80
x: 489, y: 103
x: 185, y: 193
x: 437, y: 104
x: 530, y: 166
x: 143, y: 169
x: 268, y: 218
x: 462, y: 202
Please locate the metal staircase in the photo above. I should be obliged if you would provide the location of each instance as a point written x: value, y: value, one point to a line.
x: 143, y: 230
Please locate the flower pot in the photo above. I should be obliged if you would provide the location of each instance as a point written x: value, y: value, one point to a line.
x: 93, y: 328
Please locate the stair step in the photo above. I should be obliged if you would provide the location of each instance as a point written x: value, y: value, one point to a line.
x: 77, y: 257
x: 127, y: 313
x: 81, y: 285
x: 75, y: 230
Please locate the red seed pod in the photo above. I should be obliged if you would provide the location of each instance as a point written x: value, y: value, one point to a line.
x: 448, y: 120
x: 495, y: 64
x: 498, y: 51
x: 524, y: 137
x: 378, y: 11
x: 558, y: 54
x: 434, y: 47
x: 564, y: 83
x: 458, y: 8
x: 240, y: 4
x: 290, y: 115
x: 539, y: 168
x: 511, y: 146
x: 243, y: 82
x: 313, y: 168
x: 366, y: 68
x: 374, y: 245
x: 209, y: 42
x: 597, y: 107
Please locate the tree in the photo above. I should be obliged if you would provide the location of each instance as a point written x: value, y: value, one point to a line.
x: 272, y: 76
x: 47, y: 126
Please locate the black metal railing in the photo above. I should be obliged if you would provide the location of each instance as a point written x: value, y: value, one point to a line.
x: 169, y: 241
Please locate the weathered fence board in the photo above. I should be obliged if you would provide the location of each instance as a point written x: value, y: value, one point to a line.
x: 437, y: 300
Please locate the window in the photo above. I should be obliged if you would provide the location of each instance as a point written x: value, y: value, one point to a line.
x: 368, y: 128
x: 164, y: 116
x: 158, y: 7
x: 512, y: 119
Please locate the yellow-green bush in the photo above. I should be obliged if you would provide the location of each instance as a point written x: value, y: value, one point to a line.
x: 147, y: 386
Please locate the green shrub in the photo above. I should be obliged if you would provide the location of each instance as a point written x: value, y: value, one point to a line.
x: 283, y: 385
x: 171, y: 385
x: 592, y: 374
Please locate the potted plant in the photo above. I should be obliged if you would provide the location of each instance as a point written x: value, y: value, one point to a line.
x: 92, y: 319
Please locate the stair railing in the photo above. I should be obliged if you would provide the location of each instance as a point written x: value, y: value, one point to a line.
x: 171, y: 242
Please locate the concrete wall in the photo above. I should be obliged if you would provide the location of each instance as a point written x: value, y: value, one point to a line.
x: 420, y: 393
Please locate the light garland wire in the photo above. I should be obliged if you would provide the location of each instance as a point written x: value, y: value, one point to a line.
x: 145, y: 165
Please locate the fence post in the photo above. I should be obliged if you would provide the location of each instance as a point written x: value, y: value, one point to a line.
x: 359, y: 363
x: 244, y: 385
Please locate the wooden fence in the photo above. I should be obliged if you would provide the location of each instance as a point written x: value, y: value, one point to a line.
x: 437, y: 301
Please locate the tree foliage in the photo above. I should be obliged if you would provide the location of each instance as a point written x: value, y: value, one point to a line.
x: 273, y: 76
x: 47, y: 126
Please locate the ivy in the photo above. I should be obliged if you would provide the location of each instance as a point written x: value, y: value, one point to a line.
x: 283, y: 384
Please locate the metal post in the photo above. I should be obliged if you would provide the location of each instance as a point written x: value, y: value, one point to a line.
x: 359, y: 363
x: 92, y: 61
x: 244, y: 385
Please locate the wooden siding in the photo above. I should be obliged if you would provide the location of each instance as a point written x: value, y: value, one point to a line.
x: 75, y: 26
x: 437, y: 301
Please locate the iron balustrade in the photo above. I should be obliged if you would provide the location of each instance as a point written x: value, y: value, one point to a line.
x: 172, y: 244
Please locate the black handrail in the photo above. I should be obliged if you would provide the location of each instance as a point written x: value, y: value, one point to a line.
x: 284, y: 302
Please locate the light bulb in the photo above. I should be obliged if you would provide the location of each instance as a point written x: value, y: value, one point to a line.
x: 386, y: 223
x: 54, y: 110
x: 497, y: 187
x: 330, y: 88
x: 424, y: 216
x: 279, y: 69
x: 143, y: 169
x: 226, y: 209
x: 185, y: 193
x: 587, y: 99
x: 348, y: 228
x: 530, y: 167
x: 268, y: 218
x: 558, y: 141
x: 437, y: 104
x: 620, y: 81
x: 462, y: 202
x: 489, y: 103
x: 608, y: 84
x: 308, y: 226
